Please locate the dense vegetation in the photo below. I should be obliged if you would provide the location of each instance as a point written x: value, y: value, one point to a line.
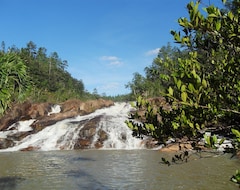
x: 200, y: 80
x: 29, y: 73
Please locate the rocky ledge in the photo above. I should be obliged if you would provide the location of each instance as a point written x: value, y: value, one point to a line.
x: 43, y: 116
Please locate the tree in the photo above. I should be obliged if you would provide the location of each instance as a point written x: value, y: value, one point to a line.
x: 205, y: 87
x: 15, y: 82
x: 31, y: 48
x: 138, y: 84
x: 157, y: 75
x: 232, y: 5
x: 3, y: 46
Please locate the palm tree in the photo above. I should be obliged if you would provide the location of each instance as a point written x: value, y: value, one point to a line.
x: 14, y: 80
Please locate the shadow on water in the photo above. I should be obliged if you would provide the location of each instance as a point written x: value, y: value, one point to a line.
x: 82, y: 159
x: 9, y: 183
x: 85, y: 180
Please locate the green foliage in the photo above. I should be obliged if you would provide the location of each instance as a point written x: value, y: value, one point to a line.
x: 236, y: 142
x: 207, y: 82
x: 14, y: 82
x: 236, y: 178
x: 237, y: 134
x: 157, y: 75
x: 30, y: 73
x: 138, y: 85
x: 202, y: 85
x: 48, y: 75
x: 211, y: 141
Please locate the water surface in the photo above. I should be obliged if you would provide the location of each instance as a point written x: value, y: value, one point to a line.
x: 113, y: 169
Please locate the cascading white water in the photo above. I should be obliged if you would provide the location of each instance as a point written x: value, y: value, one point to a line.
x: 119, y: 135
x: 63, y: 134
x: 55, y: 109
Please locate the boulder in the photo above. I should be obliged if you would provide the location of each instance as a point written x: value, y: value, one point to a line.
x: 30, y: 148
x: 48, y: 120
x: 6, y: 143
x: 19, y: 136
x: 87, y: 134
x: 73, y: 105
x: 70, y: 109
x: 14, y: 114
x: 37, y: 110
x: 85, y: 107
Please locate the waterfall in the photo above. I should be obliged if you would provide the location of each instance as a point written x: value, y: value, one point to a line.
x: 64, y: 134
x: 119, y: 135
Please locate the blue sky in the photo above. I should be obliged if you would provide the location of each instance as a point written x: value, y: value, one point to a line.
x: 104, y: 41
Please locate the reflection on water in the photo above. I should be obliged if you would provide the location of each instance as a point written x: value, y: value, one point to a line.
x: 112, y: 169
x: 8, y: 183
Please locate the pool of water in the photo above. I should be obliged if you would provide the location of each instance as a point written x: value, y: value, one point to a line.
x: 113, y: 169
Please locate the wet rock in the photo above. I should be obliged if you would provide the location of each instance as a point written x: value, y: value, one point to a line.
x: 6, y: 143
x: 24, y: 111
x: 70, y: 109
x: 98, y: 145
x: 39, y: 112
x: 30, y: 148
x: 74, y: 105
x: 14, y: 114
x: 176, y: 147
x: 19, y: 136
x: 83, y: 144
x: 48, y: 120
x: 150, y: 143
x: 88, y: 132
x: 87, y: 107
x: 102, y: 135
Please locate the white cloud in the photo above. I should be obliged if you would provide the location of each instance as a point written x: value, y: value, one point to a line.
x: 109, y: 58
x: 152, y: 52
x: 112, y: 60
x: 115, y: 63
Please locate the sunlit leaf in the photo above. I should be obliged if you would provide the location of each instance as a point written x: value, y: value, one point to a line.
x: 191, y: 87
x: 212, y: 15
x: 184, y: 96
x: 183, y: 88
x: 179, y: 82
x: 218, y: 25
x: 236, y: 132
x: 170, y: 91
x: 175, y: 125
x: 191, y: 124
x: 204, y: 83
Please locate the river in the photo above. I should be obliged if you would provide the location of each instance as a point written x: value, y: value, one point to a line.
x: 113, y: 169
x: 122, y: 162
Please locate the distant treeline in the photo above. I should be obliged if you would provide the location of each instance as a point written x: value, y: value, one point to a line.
x: 30, y: 73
